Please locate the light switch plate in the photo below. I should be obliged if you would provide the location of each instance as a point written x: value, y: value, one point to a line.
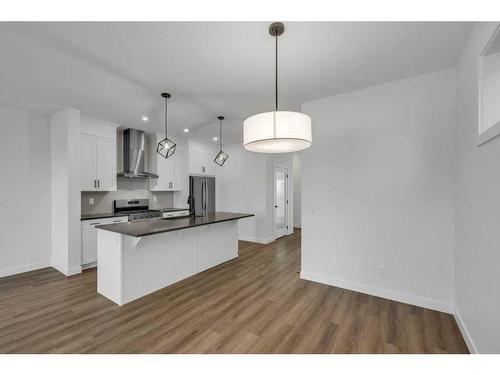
x: 155, y: 198
x: 91, y: 200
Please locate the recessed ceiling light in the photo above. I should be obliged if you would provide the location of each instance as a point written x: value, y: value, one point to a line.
x: 145, y: 118
x: 186, y: 130
x: 215, y: 139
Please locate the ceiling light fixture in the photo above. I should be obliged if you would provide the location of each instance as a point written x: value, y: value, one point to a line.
x: 186, y: 130
x: 166, y: 147
x: 221, y: 157
x: 145, y: 118
x: 277, y: 131
x: 214, y: 139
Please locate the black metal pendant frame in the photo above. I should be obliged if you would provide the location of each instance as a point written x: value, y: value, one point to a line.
x: 166, y: 147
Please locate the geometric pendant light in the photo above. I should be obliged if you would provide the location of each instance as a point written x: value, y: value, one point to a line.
x: 166, y: 147
x: 221, y: 157
x: 277, y: 131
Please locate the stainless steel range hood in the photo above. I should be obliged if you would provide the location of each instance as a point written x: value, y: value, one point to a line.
x: 133, y: 155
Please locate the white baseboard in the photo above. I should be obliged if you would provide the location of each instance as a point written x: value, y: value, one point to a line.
x: 24, y: 268
x: 465, y: 334
x: 68, y: 271
x: 427, y: 303
x: 297, y: 226
x: 89, y: 265
x: 263, y: 241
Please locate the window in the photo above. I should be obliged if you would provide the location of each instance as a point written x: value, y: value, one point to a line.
x: 489, y: 90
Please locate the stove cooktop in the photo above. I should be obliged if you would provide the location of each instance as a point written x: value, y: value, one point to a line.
x: 140, y: 215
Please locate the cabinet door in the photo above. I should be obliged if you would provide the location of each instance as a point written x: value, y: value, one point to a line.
x: 164, y: 169
x: 87, y: 162
x: 106, y: 163
x: 177, y: 171
x: 201, y: 163
x: 89, y: 245
x: 209, y: 164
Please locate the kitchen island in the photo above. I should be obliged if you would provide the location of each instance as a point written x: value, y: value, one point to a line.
x: 139, y: 257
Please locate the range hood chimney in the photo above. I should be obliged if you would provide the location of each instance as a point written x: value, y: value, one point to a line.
x: 133, y: 155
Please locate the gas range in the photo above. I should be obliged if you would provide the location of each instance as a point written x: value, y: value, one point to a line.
x: 136, y: 209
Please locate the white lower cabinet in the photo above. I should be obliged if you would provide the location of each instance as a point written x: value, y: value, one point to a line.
x: 89, y: 238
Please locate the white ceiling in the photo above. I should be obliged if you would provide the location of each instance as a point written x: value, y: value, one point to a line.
x: 116, y: 71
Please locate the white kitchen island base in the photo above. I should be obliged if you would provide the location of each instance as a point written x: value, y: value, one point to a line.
x: 132, y: 267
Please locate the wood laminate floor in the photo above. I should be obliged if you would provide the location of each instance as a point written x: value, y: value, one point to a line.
x: 254, y: 304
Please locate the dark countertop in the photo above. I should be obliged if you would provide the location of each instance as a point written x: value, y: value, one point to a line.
x: 141, y: 228
x: 112, y: 214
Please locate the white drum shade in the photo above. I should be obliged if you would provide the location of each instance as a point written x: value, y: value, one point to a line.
x: 277, y: 132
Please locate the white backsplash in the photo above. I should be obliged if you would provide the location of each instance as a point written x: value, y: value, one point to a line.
x: 127, y: 189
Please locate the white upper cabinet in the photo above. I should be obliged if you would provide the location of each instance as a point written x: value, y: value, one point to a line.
x: 201, y: 163
x: 87, y: 162
x: 106, y: 163
x: 168, y: 170
x: 97, y: 155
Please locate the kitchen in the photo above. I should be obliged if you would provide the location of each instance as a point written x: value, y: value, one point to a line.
x: 173, y: 260
x: 244, y: 187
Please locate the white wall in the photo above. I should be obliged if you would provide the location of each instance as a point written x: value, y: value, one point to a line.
x: 241, y: 187
x: 297, y: 190
x: 477, y: 210
x: 25, y: 224
x: 378, y: 193
x: 245, y: 184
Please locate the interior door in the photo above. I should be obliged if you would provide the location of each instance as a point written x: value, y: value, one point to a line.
x: 280, y: 201
x: 106, y: 164
x: 87, y: 163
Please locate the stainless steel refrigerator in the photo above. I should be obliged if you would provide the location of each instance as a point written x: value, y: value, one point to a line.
x: 202, y: 191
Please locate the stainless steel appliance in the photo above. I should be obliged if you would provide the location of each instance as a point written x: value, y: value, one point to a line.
x: 133, y: 155
x: 201, y: 195
x: 136, y: 209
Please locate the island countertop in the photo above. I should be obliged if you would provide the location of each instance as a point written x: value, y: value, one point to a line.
x: 141, y: 228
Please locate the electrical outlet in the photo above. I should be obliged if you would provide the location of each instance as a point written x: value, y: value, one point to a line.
x: 91, y: 200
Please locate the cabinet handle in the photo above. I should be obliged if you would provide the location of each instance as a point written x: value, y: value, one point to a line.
x: 98, y: 183
x: 94, y: 223
x: 116, y: 221
x: 95, y: 183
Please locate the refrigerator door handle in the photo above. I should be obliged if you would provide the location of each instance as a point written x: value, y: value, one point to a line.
x: 206, y: 197
x: 202, y: 196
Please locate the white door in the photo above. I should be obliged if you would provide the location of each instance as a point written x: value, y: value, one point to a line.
x: 280, y: 201
x: 88, y: 179
x: 106, y: 164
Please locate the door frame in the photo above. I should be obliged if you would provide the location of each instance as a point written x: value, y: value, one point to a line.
x: 287, y: 201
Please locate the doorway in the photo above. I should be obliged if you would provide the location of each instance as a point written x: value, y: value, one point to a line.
x: 280, y: 184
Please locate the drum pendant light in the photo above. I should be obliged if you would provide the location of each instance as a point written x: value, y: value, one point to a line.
x: 221, y: 157
x: 166, y: 147
x: 277, y: 131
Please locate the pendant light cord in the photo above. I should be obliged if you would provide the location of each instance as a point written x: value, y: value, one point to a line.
x: 166, y: 117
x: 220, y: 118
x: 276, y: 72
